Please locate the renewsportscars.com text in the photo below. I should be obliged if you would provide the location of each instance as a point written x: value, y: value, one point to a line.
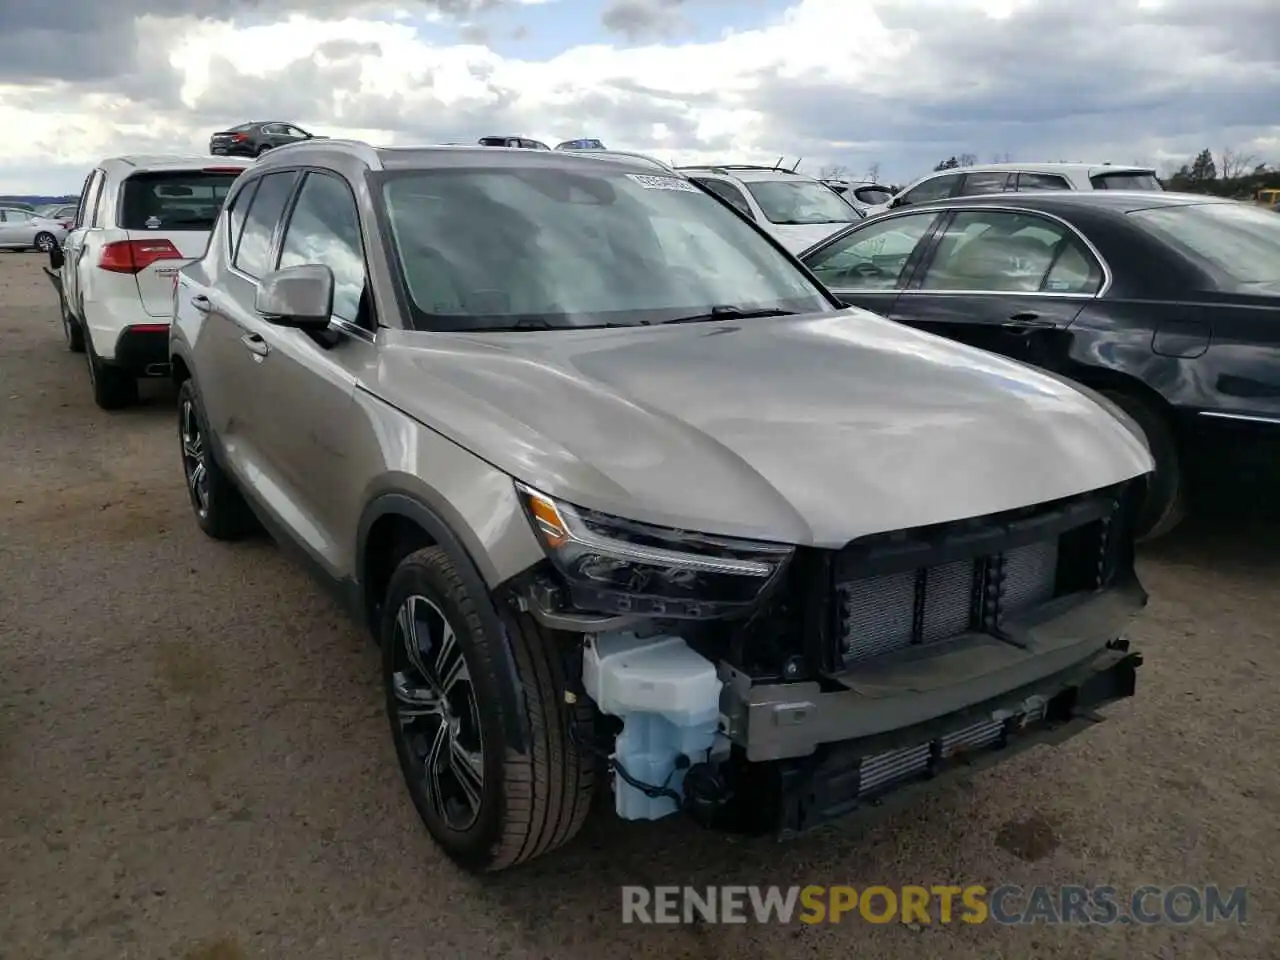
x: 972, y: 904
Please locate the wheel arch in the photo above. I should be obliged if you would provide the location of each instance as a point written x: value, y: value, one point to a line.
x: 395, y: 524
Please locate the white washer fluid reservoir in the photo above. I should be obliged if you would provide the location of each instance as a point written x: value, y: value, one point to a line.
x: 668, y: 698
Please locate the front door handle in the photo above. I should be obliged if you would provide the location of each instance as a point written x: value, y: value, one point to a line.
x: 1026, y: 322
x: 201, y: 303
x: 256, y: 344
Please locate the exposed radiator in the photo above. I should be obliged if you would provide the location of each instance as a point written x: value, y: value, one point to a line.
x: 881, y: 614
x: 876, y: 773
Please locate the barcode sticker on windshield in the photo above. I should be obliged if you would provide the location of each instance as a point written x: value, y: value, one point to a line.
x: 662, y: 183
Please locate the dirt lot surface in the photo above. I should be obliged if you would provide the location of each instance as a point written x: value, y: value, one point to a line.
x: 194, y: 762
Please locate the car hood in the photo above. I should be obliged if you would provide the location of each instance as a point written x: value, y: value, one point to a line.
x: 800, y: 236
x: 809, y: 430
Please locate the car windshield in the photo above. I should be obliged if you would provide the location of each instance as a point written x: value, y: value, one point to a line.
x: 1239, y: 242
x: 538, y: 247
x: 1134, y: 180
x: 174, y: 199
x: 800, y: 201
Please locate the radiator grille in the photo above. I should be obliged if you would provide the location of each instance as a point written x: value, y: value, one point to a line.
x: 882, y: 614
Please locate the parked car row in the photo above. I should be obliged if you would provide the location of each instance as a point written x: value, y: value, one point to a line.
x: 629, y: 499
x: 22, y: 229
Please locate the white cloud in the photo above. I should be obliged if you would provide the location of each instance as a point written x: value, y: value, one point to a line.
x: 899, y: 82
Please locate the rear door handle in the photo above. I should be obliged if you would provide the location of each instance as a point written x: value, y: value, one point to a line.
x: 256, y: 344
x: 201, y: 303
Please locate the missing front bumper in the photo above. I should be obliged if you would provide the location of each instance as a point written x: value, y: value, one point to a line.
x: 879, y: 774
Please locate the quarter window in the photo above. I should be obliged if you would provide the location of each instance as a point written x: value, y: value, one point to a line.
x: 874, y: 257
x: 994, y: 252
x: 236, y: 215
x: 324, y: 228
x: 1042, y: 181
x: 727, y: 192
x: 253, y: 254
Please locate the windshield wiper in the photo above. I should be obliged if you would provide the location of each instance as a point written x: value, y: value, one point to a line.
x: 728, y: 311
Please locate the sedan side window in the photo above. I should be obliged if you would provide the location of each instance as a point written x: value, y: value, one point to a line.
x: 254, y: 251
x: 324, y: 228
x: 728, y: 192
x: 989, y: 182
x: 873, y: 257
x: 937, y: 188
x: 985, y: 251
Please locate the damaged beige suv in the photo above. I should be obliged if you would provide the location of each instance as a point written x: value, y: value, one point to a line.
x: 631, y: 502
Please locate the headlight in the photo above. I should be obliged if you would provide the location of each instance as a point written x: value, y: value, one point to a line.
x: 616, y: 565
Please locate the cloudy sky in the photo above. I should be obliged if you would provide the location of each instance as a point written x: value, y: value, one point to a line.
x: 892, y: 84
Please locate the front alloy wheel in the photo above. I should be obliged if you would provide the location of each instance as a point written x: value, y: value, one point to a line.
x: 435, y: 706
x: 489, y: 802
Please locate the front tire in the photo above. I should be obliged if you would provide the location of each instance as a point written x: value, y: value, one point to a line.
x: 219, y: 509
x: 1166, y: 503
x: 487, y: 806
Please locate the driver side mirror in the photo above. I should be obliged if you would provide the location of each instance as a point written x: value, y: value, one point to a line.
x: 56, y: 258
x: 300, y: 297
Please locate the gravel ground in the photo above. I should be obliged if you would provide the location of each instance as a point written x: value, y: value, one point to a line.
x: 194, y: 762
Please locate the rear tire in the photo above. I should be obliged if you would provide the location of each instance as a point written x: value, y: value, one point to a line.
x: 113, y: 388
x: 44, y: 242
x: 1166, y: 503
x: 219, y: 508
x: 526, y: 804
x: 72, y: 332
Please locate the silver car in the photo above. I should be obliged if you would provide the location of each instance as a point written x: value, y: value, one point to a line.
x: 25, y: 230
x: 630, y: 502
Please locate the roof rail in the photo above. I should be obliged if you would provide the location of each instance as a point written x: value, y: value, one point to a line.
x: 730, y: 167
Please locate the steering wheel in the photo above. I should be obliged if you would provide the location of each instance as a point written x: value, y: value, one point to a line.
x: 865, y: 270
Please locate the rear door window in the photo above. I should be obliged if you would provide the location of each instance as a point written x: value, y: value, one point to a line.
x: 1042, y: 181
x: 253, y: 255
x: 173, y: 200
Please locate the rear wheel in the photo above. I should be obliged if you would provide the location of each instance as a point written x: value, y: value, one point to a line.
x: 71, y: 330
x: 45, y: 242
x: 113, y: 388
x: 219, y: 508
x: 1165, y: 506
x: 486, y: 805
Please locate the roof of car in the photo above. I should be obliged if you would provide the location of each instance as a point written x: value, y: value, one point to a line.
x: 140, y: 163
x: 1056, y: 166
x: 1124, y: 201
x: 440, y: 155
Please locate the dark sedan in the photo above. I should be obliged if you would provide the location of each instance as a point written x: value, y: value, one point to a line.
x: 1168, y: 304
x: 256, y: 138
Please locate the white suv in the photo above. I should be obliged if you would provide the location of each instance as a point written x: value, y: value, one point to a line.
x: 140, y: 219
x: 796, y: 209
x: 1019, y: 177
